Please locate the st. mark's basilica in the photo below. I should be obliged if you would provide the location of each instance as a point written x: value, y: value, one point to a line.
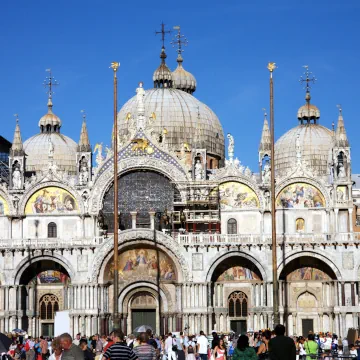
x: 194, y: 225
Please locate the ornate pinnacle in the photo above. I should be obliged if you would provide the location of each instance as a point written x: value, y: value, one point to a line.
x: 115, y: 66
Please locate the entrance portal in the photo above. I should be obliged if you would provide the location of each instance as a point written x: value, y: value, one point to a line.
x: 144, y: 317
x: 238, y: 326
x: 307, y: 326
x: 47, y: 329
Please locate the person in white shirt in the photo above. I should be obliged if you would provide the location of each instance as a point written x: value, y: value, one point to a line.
x: 76, y: 341
x: 202, y: 346
x: 169, y: 343
x: 353, y: 351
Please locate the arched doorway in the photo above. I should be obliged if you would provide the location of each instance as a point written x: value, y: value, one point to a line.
x: 45, y: 292
x: 143, y: 310
x: 308, y: 289
x: 237, y: 285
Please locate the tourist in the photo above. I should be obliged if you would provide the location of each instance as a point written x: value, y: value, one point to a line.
x: 243, y: 351
x: 282, y: 347
x: 151, y: 340
x: 76, y: 341
x: 311, y: 346
x: 215, y: 340
x: 88, y: 355
x: 130, y: 341
x: 264, y: 346
x: 202, y: 346
x: 119, y: 351
x: 353, y: 351
x: 145, y: 351
x: 302, y: 351
x: 180, y: 346
x: 44, y: 348
x: 190, y: 349
x: 98, y: 345
x: 56, y: 349
x: 170, y: 346
x: 70, y: 350
x: 220, y: 350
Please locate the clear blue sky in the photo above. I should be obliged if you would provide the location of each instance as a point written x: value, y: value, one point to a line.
x: 230, y: 44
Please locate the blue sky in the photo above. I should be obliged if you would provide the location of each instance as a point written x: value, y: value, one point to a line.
x: 230, y: 44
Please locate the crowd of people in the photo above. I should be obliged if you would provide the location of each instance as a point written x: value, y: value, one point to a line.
x: 263, y: 345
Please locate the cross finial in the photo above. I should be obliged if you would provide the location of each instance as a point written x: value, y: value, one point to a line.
x: 49, y: 82
x: 265, y: 114
x: 83, y: 114
x: 340, y: 108
x: 163, y: 32
x: 307, y: 78
x: 179, y: 40
x: 16, y: 118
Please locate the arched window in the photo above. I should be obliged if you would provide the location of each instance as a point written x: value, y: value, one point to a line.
x: 237, y: 304
x: 49, y: 304
x: 52, y: 230
x: 211, y: 164
x: 232, y: 226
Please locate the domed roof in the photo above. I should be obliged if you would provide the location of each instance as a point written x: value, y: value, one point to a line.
x: 182, y: 79
x: 162, y: 75
x: 37, y: 149
x: 185, y: 118
x: 308, y: 111
x: 50, y: 118
x: 315, y: 142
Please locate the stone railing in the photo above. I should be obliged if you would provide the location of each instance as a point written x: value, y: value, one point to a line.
x: 259, y: 239
x: 50, y: 243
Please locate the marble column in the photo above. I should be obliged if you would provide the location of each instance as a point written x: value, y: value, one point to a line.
x: 351, y: 220
x: 336, y: 212
x: 152, y: 219
x: 343, y: 324
x: 217, y: 319
x: 133, y: 219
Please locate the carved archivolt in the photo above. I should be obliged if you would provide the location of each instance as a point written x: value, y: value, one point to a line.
x: 6, y: 197
x: 165, y: 242
x: 105, y: 180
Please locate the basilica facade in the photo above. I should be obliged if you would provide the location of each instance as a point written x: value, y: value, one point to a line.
x: 194, y: 224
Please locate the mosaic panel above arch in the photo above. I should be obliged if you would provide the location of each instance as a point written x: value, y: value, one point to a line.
x: 4, y: 207
x: 307, y: 273
x: 238, y: 273
x: 51, y: 277
x: 235, y: 195
x: 51, y: 200
x: 142, y: 263
x: 300, y: 196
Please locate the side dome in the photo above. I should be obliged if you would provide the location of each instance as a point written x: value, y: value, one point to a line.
x: 182, y: 79
x: 37, y: 149
x: 315, y: 142
x: 185, y: 118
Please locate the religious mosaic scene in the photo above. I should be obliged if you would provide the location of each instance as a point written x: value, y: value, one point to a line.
x: 193, y: 222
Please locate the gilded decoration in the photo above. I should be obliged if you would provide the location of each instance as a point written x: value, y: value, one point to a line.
x: 4, y: 207
x: 238, y: 273
x: 143, y: 263
x: 51, y: 277
x: 300, y: 196
x: 235, y: 195
x: 306, y: 300
x: 300, y: 225
x: 51, y: 200
x: 307, y: 273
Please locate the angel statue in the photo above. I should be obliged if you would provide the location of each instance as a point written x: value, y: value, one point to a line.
x: 231, y: 147
x: 99, y: 158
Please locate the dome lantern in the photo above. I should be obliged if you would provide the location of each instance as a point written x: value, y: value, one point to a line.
x: 182, y: 79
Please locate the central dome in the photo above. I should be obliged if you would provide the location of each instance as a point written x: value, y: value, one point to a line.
x: 186, y: 119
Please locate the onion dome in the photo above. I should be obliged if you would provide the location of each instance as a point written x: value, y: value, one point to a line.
x: 162, y: 75
x: 182, y: 79
x: 308, y: 112
x: 186, y: 119
x: 50, y: 122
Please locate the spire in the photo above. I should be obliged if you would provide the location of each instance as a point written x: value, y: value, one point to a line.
x: 308, y: 112
x: 182, y: 79
x: 17, y: 145
x: 265, y: 142
x: 84, y: 143
x: 162, y: 75
x: 341, y: 139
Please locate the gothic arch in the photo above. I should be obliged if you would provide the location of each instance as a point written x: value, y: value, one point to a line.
x: 288, y: 181
x: 25, y: 198
x: 6, y: 197
x: 231, y: 254
x: 144, y: 236
x: 127, y: 293
x: 25, y: 263
x: 104, y: 181
x: 296, y: 254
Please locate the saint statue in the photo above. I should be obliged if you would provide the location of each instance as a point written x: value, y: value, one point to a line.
x: 198, y: 170
x: 230, y: 146
x: 51, y: 148
x: 341, y: 173
x: 16, y: 178
x: 84, y: 174
x: 140, y: 94
x: 266, y: 173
